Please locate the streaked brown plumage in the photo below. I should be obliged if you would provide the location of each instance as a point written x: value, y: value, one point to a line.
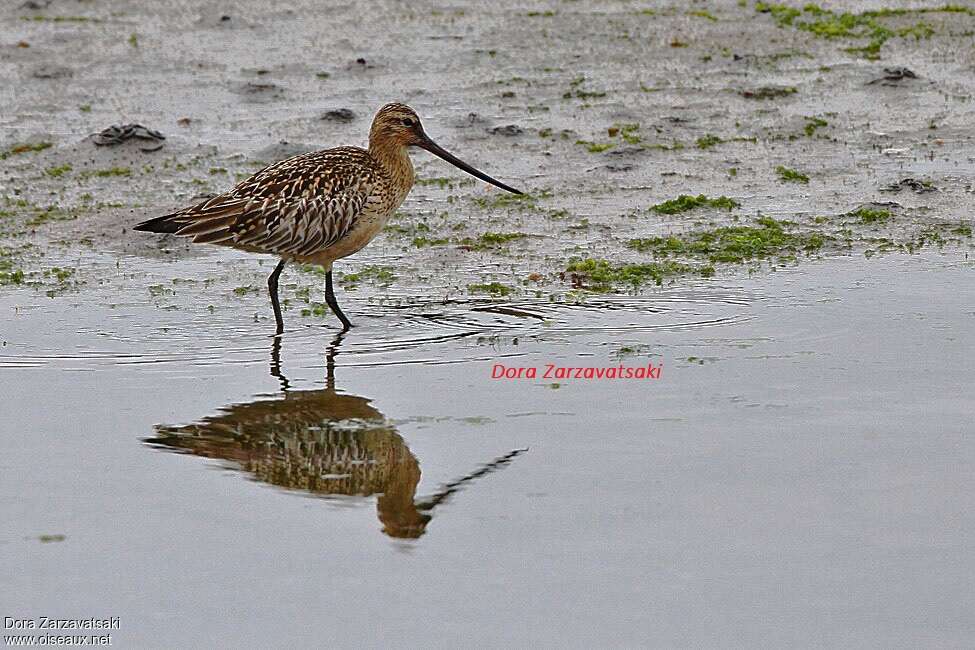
x: 317, y: 207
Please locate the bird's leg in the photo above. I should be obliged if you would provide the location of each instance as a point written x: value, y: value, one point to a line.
x: 272, y: 288
x: 333, y: 303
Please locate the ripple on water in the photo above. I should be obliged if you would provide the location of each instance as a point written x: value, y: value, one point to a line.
x: 611, y: 314
x: 143, y: 336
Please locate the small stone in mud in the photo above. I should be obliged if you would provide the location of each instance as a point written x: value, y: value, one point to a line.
x: 919, y: 187
x: 259, y: 92
x: 626, y: 151
x: 256, y: 88
x: 52, y: 72
x: 507, y: 130
x: 339, y: 115
x: 23, y: 44
x: 184, y: 121
x: 360, y: 64
x: 893, y: 75
x: 469, y: 120
x: 893, y: 151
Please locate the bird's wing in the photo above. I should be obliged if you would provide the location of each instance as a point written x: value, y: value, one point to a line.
x: 285, y: 226
x: 294, y: 207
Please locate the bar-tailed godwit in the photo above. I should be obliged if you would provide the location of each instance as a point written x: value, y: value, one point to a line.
x: 317, y: 207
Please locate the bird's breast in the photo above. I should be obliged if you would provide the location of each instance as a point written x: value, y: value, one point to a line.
x: 375, y: 215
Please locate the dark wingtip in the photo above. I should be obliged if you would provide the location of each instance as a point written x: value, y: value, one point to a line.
x: 162, y: 225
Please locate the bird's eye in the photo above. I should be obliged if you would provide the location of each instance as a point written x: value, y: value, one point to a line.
x: 407, y: 121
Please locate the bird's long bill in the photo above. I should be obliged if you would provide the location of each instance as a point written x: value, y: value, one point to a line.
x: 437, y: 150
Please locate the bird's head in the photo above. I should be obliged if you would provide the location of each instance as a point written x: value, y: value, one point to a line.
x: 398, y: 125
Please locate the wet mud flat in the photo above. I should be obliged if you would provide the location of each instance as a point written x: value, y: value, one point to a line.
x: 770, y: 202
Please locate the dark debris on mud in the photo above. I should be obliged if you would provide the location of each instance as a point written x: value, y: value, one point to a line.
x: 913, y: 184
x: 117, y: 134
x: 893, y: 76
x: 339, y: 115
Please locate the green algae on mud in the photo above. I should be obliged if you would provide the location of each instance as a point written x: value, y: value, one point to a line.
x: 596, y: 147
x: 769, y: 92
x: 813, y: 124
x: 732, y: 244
x: 699, y: 252
x: 781, y: 241
x: 18, y: 149
x: 823, y: 23
x: 686, y: 202
x: 627, y: 133
x: 490, y: 240
x: 9, y: 274
x: 108, y: 173
x: 53, y: 279
x: 50, y: 213
x: 602, y: 276
x: 316, y: 309
x: 575, y: 91
x: 58, y: 171
x: 492, y: 288
x: 524, y: 201
x: 374, y: 273
x: 707, y: 141
x: 870, y: 215
x: 423, y: 242
x: 787, y: 175
x: 701, y: 13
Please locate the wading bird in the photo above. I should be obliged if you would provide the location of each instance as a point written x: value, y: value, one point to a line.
x: 316, y: 207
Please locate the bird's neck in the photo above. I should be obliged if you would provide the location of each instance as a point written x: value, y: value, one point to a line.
x: 395, y: 160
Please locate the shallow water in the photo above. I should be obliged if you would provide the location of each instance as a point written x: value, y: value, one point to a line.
x: 799, y: 471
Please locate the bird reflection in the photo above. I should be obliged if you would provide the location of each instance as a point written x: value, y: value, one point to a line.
x: 323, y: 442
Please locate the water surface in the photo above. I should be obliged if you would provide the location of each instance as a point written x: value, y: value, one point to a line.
x: 800, y: 471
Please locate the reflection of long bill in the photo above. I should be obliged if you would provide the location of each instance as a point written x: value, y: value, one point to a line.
x: 447, y: 489
x: 437, y: 150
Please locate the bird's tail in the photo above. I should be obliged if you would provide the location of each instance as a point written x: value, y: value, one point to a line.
x: 163, y: 224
